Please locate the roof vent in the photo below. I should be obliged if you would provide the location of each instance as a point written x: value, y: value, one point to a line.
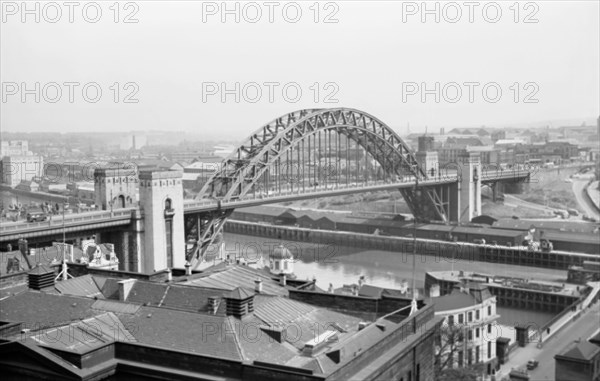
x: 41, y: 277
x: 239, y: 302
x: 362, y: 325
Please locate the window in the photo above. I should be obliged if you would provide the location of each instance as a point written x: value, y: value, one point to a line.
x: 451, y: 320
x: 477, y: 315
x: 461, y: 318
x: 470, y: 358
x: 489, y: 328
x: 477, y: 333
x: 276, y: 265
x: 470, y: 335
x: 489, y: 349
x: 489, y: 310
x: 470, y: 319
x: 477, y: 354
x: 285, y: 265
x: 460, y: 358
x: 409, y: 375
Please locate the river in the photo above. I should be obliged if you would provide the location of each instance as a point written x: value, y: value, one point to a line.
x: 341, y: 265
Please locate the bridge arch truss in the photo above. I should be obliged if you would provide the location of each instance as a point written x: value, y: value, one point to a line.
x: 306, y: 149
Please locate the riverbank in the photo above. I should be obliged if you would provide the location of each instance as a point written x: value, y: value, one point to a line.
x: 446, y: 251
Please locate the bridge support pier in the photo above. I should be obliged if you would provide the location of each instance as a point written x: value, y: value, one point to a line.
x: 466, y: 194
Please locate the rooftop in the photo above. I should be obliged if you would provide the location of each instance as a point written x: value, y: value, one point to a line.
x: 231, y: 276
x: 582, y: 350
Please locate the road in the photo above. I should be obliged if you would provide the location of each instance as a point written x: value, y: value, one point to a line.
x: 584, y: 327
x: 511, y: 200
x: 584, y: 202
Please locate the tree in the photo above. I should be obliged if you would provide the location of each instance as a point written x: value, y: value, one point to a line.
x: 458, y: 374
x: 448, y: 344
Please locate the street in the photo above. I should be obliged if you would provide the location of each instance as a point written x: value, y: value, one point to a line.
x: 584, y: 327
x: 584, y: 203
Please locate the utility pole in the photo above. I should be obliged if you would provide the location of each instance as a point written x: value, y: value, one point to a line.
x: 64, y: 270
x: 413, y: 303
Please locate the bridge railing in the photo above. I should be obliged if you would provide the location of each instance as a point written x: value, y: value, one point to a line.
x: 288, y: 190
x: 57, y: 221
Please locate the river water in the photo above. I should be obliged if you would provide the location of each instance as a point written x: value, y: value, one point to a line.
x: 341, y: 265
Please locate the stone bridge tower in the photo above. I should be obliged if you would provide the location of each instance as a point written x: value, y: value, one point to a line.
x: 161, y: 203
x: 115, y: 187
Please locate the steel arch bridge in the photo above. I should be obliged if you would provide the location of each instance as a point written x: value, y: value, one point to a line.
x: 308, y: 149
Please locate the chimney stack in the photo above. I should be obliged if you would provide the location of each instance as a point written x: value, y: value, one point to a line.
x: 283, y: 280
x: 169, y: 275
x: 188, y: 268
x: 125, y: 287
x: 258, y: 286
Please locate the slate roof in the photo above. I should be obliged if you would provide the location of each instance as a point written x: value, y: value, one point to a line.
x: 79, y: 286
x: 40, y: 308
x: 148, y: 293
x: 184, y: 331
x: 192, y: 299
x: 583, y: 350
x: 239, y: 294
x: 82, y: 336
x: 454, y: 301
x: 41, y: 270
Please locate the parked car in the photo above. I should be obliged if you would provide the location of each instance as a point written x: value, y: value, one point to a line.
x: 36, y: 216
x: 532, y: 364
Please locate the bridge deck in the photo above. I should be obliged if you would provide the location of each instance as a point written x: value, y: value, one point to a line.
x: 10, y: 231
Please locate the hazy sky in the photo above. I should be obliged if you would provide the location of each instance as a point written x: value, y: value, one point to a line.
x: 371, y: 59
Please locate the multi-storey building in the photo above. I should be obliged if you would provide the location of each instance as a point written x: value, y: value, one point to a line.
x: 470, y: 314
x: 14, y: 148
x: 19, y: 168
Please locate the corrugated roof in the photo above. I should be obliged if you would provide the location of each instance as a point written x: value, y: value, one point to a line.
x: 275, y: 311
x: 229, y: 277
x: 79, y: 286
